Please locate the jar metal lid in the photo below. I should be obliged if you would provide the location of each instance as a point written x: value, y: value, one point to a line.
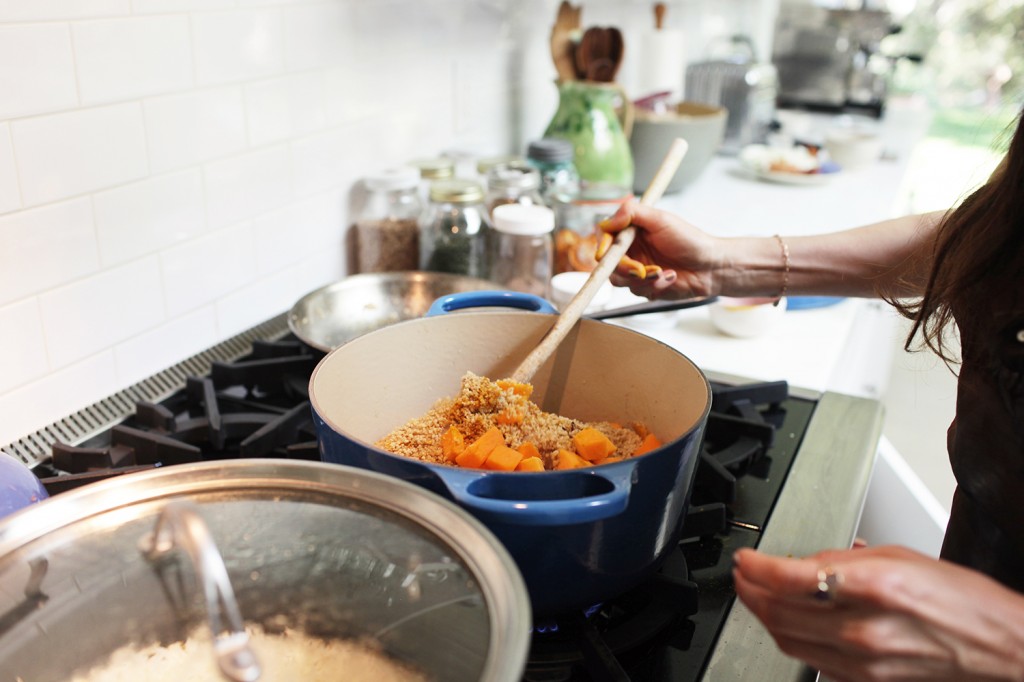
x: 456, y: 192
x: 435, y: 169
x: 550, y: 149
x: 486, y: 165
x: 401, y: 177
x: 523, y: 219
x: 521, y: 177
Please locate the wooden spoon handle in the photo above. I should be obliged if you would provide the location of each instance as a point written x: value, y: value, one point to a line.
x: 574, y: 309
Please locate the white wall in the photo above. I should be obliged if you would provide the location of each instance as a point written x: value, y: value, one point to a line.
x: 173, y: 172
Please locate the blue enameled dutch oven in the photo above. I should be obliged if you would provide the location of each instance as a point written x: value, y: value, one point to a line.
x: 580, y: 536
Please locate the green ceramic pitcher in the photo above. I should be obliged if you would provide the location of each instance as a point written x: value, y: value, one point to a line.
x: 586, y: 116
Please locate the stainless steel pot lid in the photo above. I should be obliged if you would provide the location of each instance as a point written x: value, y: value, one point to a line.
x: 333, y: 551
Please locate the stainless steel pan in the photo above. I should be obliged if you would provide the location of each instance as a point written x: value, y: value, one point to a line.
x: 339, y: 312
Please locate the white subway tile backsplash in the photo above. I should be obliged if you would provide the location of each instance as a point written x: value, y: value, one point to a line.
x: 200, y: 271
x: 238, y: 45
x: 22, y: 355
x: 94, y: 313
x: 268, y: 110
x: 54, y: 10
x: 187, y: 129
x: 333, y: 159
x: 167, y: 345
x: 269, y: 296
x: 120, y: 59
x: 318, y: 35
x: 173, y: 6
x: 145, y: 216
x: 62, y: 155
x: 46, y: 247
x: 246, y: 185
x: 37, y: 73
x: 173, y: 172
x: 10, y: 197
x: 56, y: 395
x: 286, y: 236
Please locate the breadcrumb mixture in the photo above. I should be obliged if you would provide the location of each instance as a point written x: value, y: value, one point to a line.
x: 481, y: 404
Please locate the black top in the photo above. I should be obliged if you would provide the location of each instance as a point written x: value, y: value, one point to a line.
x: 986, y: 440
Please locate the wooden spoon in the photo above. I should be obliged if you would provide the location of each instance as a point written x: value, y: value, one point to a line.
x: 574, y: 309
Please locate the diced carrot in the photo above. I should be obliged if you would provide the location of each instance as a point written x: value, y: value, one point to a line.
x: 503, y: 458
x: 592, y: 445
x: 528, y: 449
x: 452, y: 443
x: 570, y: 460
x: 649, y: 442
x: 518, y: 388
x: 509, y: 417
x: 531, y: 464
x: 475, y: 454
x: 640, y: 428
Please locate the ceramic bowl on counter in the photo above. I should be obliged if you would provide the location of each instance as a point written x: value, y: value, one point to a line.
x: 746, y: 317
x: 853, y: 147
x: 701, y: 125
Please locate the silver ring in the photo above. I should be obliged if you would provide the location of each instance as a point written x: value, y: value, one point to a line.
x: 829, y: 580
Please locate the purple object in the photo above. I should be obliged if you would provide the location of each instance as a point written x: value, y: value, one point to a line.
x: 19, y: 487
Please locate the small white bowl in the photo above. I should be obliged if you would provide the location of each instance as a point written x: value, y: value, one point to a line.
x: 565, y: 285
x: 853, y: 148
x: 746, y: 317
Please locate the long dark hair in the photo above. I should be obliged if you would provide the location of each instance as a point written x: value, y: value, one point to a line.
x: 981, y: 239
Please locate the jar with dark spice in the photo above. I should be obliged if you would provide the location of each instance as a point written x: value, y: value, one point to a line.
x: 455, y: 228
x: 522, y: 251
x: 513, y: 184
x: 387, y: 229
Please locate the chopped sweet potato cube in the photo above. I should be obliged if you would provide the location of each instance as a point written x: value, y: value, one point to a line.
x: 509, y: 417
x: 531, y: 464
x: 518, y: 388
x: 503, y: 458
x: 475, y: 454
x: 452, y: 443
x: 592, y: 445
x: 570, y: 460
x: 649, y: 442
x: 528, y: 449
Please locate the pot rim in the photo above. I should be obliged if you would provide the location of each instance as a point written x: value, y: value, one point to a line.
x: 508, y: 602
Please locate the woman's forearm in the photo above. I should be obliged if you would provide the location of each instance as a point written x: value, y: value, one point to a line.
x: 893, y: 256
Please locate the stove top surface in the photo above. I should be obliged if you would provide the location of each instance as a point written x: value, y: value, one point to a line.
x: 255, y: 404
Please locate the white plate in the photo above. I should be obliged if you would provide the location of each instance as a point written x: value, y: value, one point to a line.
x: 785, y: 178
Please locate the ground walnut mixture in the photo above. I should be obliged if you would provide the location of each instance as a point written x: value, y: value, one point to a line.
x: 482, y: 404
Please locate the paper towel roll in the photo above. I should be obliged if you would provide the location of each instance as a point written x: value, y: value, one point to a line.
x: 660, y: 63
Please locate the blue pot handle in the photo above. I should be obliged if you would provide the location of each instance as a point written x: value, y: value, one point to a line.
x: 476, y: 493
x: 483, y: 299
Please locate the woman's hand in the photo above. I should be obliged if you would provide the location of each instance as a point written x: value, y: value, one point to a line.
x: 685, y: 254
x: 885, y: 613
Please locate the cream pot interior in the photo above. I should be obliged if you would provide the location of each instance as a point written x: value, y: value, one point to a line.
x: 382, y: 380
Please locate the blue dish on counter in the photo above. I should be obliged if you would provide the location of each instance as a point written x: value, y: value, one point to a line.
x: 811, y: 302
x: 19, y: 487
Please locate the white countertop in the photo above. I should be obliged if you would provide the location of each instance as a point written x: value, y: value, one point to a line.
x: 846, y: 347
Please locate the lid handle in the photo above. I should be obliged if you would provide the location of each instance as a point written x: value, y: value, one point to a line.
x: 180, y: 526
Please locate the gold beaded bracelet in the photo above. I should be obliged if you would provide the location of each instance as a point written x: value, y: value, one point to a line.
x: 785, y: 268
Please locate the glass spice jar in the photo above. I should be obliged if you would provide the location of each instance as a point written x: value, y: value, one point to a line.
x: 454, y: 229
x: 552, y: 157
x: 576, y: 219
x: 387, y: 229
x: 522, y: 251
x: 432, y: 170
x: 485, y: 165
x: 513, y: 184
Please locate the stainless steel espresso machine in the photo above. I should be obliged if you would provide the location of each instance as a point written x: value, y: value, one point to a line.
x: 829, y: 59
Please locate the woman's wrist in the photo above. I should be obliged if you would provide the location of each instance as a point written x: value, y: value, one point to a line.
x: 753, y: 266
